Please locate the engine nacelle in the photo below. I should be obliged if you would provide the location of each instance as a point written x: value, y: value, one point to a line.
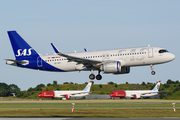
x: 111, y: 67
x: 136, y: 96
x: 67, y: 96
x: 124, y: 70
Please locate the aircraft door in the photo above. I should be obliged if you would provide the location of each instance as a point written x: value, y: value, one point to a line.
x: 150, y: 52
x: 39, y: 62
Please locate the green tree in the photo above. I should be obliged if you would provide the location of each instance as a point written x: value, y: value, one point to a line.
x: 54, y: 83
x: 40, y: 85
x: 86, y: 83
x: 4, y: 90
x: 30, y: 89
x: 110, y: 82
x: 143, y: 83
x: 65, y: 83
x: 14, y: 88
x: 170, y: 81
x: 127, y: 83
x: 71, y: 83
x: 177, y: 82
x: 100, y: 86
x: 49, y: 84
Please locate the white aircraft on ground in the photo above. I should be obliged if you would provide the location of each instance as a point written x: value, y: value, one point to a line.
x: 137, y: 93
x: 66, y: 94
x: 117, y: 61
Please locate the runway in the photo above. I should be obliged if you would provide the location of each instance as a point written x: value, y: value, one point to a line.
x: 170, y: 118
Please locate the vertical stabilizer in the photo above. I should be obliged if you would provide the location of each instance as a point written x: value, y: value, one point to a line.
x: 20, y: 47
x: 156, y: 88
x: 88, y: 87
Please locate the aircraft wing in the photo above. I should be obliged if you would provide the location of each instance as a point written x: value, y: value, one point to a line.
x: 75, y: 93
x: 153, y: 92
x: 86, y: 62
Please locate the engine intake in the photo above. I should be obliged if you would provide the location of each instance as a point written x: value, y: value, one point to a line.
x: 111, y: 67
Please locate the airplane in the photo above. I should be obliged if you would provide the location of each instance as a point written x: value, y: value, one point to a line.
x: 66, y: 94
x: 116, y: 61
x: 136, y: 94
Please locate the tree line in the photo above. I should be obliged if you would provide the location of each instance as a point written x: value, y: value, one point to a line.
x: 7, y: 90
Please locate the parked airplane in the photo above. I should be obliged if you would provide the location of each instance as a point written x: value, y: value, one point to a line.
x: 66, y: 94
x: 137, y: 93
x: 117, y: 61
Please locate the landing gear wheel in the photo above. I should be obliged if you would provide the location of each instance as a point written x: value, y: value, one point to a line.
x: 153, y: 72
x: 98, y: 77
x: 92, y: 76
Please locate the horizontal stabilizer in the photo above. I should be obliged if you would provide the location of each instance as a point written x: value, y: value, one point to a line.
x: 15, y: 62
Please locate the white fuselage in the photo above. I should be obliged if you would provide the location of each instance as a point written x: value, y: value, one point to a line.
x: 78, y: 93
x: 128, y: 57
x: 129, y: 93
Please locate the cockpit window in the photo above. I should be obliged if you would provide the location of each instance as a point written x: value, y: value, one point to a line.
x: 162, y: 51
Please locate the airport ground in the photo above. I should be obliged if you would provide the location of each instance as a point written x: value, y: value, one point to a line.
x: 90, y: 108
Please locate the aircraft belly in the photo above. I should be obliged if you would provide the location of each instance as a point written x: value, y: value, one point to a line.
x: 67, y: 66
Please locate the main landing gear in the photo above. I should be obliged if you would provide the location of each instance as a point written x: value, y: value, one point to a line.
x: 92, y: 76
x: 152, y: 72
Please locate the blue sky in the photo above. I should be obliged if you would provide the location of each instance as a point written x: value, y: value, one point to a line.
x: 95, y: 25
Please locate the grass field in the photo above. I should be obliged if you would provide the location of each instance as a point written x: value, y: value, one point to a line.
x: 89, y: 108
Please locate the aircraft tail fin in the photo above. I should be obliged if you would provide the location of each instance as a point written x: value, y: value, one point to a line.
x: 20, y: 47
x: 88, y: 87
x: 156, y: 88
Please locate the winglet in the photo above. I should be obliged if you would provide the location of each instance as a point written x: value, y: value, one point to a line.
x: 55, y: 49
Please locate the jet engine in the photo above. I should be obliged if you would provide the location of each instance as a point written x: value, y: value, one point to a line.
x: 136, y: 96
x: 67, y: 96
x: 114, y: 67
x: 111, y: 67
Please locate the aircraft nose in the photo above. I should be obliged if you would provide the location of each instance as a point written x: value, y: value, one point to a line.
x: 172, y: 56
x: 39, y: 95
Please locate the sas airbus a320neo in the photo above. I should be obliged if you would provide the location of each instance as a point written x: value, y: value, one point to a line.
x: 117, y: 61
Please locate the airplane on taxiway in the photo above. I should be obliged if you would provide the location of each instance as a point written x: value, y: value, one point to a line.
x: 117, y: 61
x: 137, y: 93
x: 66, y: 94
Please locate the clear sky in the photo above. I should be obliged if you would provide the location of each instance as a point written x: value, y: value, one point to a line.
x: 95, y: 25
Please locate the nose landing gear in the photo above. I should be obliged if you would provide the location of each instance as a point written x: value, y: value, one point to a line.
x: 152, y: 72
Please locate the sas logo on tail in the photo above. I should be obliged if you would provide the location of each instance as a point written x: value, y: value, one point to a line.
x: 24, y: 52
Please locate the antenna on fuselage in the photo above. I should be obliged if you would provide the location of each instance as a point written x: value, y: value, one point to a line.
x: 149, y: 45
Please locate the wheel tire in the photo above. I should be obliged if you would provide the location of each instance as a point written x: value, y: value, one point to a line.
x: 98, y: 77
x: 92, y: 76
x: 153, y: 72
